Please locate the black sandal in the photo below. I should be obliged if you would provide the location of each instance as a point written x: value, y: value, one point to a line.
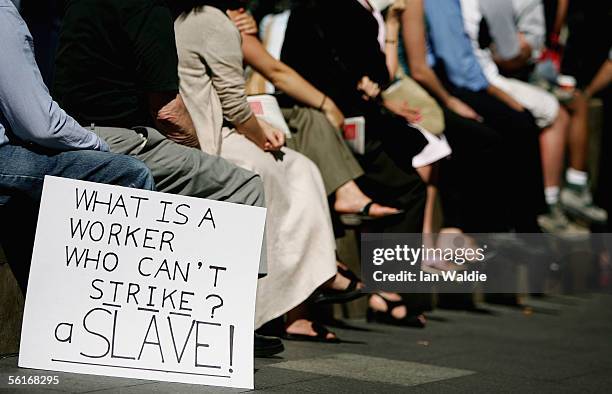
x: 331, y: 296
x: 347, y: 273
x: 387, y: 318
x: 320, y: 337
x: 355, y: 219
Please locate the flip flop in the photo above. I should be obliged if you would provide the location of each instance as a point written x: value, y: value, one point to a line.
x: 320, y: 337
x: 387, y: 318
x: 355, y: 219
x: 347, y: 273
x: 331, y: 296
x: 340, y: 296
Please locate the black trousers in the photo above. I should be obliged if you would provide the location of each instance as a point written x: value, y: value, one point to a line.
x: 389, y: 184
x: 17, y: 239
x: 470, y: 180
x: 390, y: 179
x: 520, y: 155
x: 604, y: 184
x: 389, y: 176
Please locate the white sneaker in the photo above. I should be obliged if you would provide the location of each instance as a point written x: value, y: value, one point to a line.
x: 580, y: 204
x: 555, y: 222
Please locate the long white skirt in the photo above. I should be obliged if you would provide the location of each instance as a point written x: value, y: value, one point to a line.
x: 300, y: 238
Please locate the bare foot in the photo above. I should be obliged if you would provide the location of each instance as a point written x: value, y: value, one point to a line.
x: 436, y: 266
x: 304, y: 327
x: 378, y: 304
x: 455, y: 238
x: 350, y: 199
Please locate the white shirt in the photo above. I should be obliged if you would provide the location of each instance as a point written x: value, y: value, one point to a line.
x: 471, y: 20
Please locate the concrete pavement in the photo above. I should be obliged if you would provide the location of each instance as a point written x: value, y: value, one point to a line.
x: 559, y: 345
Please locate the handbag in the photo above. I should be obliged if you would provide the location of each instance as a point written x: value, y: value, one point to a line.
x: 408, y: 90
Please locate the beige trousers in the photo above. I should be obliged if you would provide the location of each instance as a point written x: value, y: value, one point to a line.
x: 300, y: 240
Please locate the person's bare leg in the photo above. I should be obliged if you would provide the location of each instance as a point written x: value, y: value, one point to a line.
x: 576, y: 196
x: 430, y: 204
x: 427, y: 173
x: 453, y: 238
x: 350, y: 199
x: 378, y: 304
x: 553, y: 142
x: 429, y: 176
x: 578, y: 133
x: 298, y: 323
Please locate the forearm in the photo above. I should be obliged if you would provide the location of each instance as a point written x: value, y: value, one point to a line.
x: 51, y: 128
x: 69, y: 135
x: 291, y: 83
x: 283, y: 77
x: 602, y: 79
x: 173, y: 120
x: 250, y: 128
x: 517, y: 62
x: 505, y: 98
x: 427, y: 78
x: 287, y: 80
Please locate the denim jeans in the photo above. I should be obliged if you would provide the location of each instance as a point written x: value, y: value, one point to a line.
x: 22, y: 172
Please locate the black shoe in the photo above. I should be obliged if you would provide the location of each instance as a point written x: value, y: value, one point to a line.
x: 267, y: 346
x: 329, y: 296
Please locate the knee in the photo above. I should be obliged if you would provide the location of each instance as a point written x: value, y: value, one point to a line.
x: 321, y: 129
x: 136, y: 174
x: 256, y: 195
x: 309, y: 166
x: 563, y: 117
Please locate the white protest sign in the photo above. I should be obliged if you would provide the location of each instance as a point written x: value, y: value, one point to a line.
x: 139, y: 284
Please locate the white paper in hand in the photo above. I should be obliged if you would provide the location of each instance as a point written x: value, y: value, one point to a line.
x: 266, y: 107
x: 354, y: 134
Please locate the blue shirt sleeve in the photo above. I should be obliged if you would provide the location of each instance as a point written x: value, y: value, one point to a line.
x: 450, y: 44
x: 25, y: 102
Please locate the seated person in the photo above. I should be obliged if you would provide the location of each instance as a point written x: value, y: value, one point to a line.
x: 451, y: 55
x: 126, y: 86
x: 518, y: 29
x: 601, y: 85
x: 116, y: 70
x: 475, y: 147
x: 587, y: 48
x: 475, y: 144
x: 315, y: 121
x: 511, y: 27
x: 299, y: 228
x: 337, y: 60
x: 38, y: 138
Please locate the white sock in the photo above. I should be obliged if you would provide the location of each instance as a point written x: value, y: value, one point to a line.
x: 575, y: 177
x: 552, y: 195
